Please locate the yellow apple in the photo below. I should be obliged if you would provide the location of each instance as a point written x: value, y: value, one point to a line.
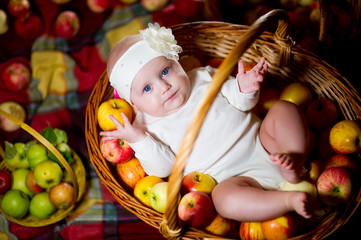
x: 14, y: 109
x: 144, y: 186
x: 113, y: 107
x: 219, y: 226
x: 316, y: 167
x: 128, y: 1
x: 297, y: 93
x: 4, y: 27
x: 345, y: 137
x: 303, y: 186
x: 154, y: 5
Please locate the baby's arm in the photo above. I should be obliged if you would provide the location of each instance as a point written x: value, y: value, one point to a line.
x: 156, y: 158
x: 250, y: 81
x: 127, y: 132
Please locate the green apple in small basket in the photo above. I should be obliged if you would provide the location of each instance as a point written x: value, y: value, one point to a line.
x: 48, y: 174
x: 36, y: 153
x: 59, y: 139
x: 15, y: 155
x: 15, y: 203
x: 41, y: 207
x: 19, y: 181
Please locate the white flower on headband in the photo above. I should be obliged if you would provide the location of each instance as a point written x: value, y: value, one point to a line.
x: 162, y: 40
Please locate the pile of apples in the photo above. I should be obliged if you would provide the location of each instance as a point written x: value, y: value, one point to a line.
x: 37, y: 184
x: 334, y: 145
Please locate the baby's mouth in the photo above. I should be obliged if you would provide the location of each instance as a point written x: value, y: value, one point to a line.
x: 171, y: 96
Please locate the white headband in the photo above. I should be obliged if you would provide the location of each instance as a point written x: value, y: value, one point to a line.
x: 158, y: 41
x: 129, y: 64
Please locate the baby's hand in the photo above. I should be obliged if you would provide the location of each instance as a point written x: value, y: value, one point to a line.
x: 127, y: 132
x: 251, y: 81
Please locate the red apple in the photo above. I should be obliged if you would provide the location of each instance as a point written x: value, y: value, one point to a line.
x: 18, y: 7
x: 16, y: 76
x: 196, y: 209
x: 29, y: 25
x: 189, y: 62
x: 98, y: 6
x: 116, y: 150
x: 340, y: 160
x: 251, y: 231
x: 5, y: 181
x: 214, y: 62
x: 31, y: 184
x: 219, y: 226
x: 130, y: 172
x: 345, y: 137
x: 321, y: 114
x: 279, y: 228
x: 334, y: 186
x: 67, y: 24
x: 168, y: 16
x: 189, y: 8
x: 267, y: 98
x: 62, y: 196
x: 197, y: 181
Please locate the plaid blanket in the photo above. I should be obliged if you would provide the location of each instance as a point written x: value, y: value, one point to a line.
x: 63, y: 75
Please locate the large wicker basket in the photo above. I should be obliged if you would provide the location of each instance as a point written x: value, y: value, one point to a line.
x: 287, y: 63
x: 76, y: 173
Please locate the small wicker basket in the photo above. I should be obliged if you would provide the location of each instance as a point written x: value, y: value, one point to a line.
x: 76, y: 172
x: 287, y: 63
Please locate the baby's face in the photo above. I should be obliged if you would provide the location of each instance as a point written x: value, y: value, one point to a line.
x: 160, y: 88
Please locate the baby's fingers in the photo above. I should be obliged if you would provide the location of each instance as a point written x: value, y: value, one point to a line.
x: 116, y: 122
x: 241, y: 66
x: 125, y: 119
x: 259, y: 65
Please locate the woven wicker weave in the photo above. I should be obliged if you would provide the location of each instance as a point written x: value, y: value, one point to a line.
x: 76, y: 173
x: 217, y: 39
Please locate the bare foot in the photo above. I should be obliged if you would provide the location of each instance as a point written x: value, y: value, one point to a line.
x: 290, y: 170
x: 299, y: 202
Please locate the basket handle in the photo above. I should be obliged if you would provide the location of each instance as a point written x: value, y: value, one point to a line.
x: 47, y: 144
x: 171, y: 227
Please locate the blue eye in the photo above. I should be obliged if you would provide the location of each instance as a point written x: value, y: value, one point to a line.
x: 165, y: 71
x: 147, y: 88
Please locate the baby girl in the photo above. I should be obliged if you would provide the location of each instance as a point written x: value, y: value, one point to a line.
x: 250, y: 158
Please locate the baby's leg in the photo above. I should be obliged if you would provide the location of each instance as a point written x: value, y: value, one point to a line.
x: 243, y: 199
x: 285, y: 135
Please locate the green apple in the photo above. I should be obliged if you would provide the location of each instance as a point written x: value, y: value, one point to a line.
x: 48, y: 174
x: 19, y: 181
x: 15, y: 203
x: 36, y: 154
x: 40, y: 206
x: 159, y: 196
x: 15, y: 155
x: 303, y: 186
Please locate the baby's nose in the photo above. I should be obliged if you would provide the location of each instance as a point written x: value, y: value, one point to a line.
x: 165, y: 87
